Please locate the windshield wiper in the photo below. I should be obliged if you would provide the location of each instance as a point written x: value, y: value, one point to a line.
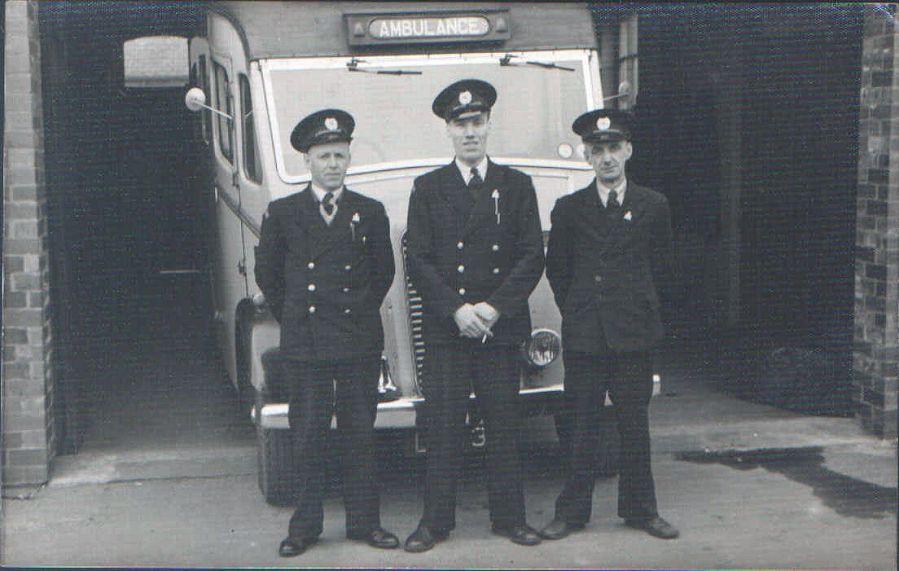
x: 353, y: 65
x: 506, y: 60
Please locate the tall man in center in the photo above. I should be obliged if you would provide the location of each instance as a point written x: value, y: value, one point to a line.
x: 475, y: 253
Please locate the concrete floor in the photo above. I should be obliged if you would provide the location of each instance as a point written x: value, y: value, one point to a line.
x: 166, y: 477
x: 729, y: 518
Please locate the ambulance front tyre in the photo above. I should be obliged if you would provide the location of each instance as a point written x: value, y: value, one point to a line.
x: 276, y: 468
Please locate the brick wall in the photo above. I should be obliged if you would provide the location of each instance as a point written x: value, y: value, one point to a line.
x: 876, y: 348
x: 28, y: 387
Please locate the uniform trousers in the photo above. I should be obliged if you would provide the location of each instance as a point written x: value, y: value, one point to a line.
x: 451, y: 372
x: 627, y: 377
x: 318, y: 390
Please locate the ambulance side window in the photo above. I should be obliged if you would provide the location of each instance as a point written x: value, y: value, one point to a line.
x: 250, y: 151
x: 223, y: 103
x: 203, y: 83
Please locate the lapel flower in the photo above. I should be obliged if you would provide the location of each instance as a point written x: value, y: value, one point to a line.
x: 357, y: 219
x: 628, y: 216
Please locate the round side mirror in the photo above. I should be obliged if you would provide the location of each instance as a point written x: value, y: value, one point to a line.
x: 195, y: 99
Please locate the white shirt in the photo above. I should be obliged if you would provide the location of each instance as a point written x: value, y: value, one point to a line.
x: 466, y: 170
x: 320, y: 196
x: 604, y: 192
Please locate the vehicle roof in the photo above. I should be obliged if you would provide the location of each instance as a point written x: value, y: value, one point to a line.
x: 303, y: 29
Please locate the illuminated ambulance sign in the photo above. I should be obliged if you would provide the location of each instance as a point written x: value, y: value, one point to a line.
x: 404, y: 28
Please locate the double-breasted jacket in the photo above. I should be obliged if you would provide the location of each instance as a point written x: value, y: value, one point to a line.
x: 325, y: 283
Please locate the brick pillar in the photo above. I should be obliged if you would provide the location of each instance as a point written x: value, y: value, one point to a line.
x: 28, y: 435
x: 876, y: 347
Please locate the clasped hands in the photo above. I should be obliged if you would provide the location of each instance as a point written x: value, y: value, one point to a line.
x: 475, y: 321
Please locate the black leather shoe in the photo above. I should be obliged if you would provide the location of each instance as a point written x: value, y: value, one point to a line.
x: 520, y: 534
x: 380, y: 538
x: 654, y: 526
x: 557, y: 529
x: 291, y: 547
x: 423, y: 539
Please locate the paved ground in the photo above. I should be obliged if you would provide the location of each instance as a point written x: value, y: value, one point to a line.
x: 792, y: 515
x: 167, y: 477
x: 750, y: 487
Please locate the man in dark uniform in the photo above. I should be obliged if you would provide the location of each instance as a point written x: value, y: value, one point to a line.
x: 609, y: 250
x: 324, y: 264
x: 475, y: 253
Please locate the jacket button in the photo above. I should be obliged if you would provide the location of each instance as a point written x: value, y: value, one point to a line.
x: 311, y: 287
x: 495, y: 248
x: 461, y: 269
x: 495, y: 270
x: 311, y: 265
x: 597, y: 279
x: 460, y: 245
x: 311, y: 309
x: 348, y: 267
x: 347, y: 311
x: 346, y: 290
x: 461, y: 291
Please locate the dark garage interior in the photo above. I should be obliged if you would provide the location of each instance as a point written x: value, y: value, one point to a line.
x: 767, y: 96
x: 725, y: 94
x: 128, y: 226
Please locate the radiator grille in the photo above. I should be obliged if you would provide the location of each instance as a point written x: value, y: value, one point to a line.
x: 415, y: 320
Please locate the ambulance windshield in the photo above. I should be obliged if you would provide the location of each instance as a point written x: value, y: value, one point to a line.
x: 394, y: 123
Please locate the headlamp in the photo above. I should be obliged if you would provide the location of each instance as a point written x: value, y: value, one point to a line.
x: 542, y: 348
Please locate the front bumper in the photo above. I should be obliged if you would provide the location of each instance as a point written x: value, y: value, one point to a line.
x: 400, y: 413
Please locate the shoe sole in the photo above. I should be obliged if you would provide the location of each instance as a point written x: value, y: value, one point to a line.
x: 656, y: 535
x: 516, y: 542
x: 408, y: 549
x: 423, y: 549
x: 298, y: 553
x: 569, y: 531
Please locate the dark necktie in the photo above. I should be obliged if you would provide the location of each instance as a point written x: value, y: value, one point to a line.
x: 475, y: 182
x: 328, y: 203
x: 612, y: 202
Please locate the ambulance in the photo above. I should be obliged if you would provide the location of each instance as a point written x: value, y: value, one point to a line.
x: 262, y: 66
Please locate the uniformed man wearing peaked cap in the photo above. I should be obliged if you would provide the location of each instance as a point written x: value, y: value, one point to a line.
x: 475, y: 253
x: 324, y: 264
x: 609, y: 252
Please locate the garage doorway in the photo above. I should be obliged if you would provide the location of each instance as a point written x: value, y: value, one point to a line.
x: 127, y: 224
x: 750, y: 118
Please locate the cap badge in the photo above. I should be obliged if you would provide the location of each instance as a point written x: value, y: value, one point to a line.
x: 465, y: 97
x: 331, y: 124
x: 603, y: 123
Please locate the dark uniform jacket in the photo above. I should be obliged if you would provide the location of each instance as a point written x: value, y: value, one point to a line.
x: 458, y: 252
x: 325, y: 284
x: 605, y: 271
